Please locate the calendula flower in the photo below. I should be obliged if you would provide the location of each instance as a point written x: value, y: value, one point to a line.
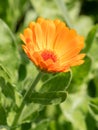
x: 52, y: 46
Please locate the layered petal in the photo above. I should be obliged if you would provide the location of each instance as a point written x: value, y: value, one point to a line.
x: 52, y: 46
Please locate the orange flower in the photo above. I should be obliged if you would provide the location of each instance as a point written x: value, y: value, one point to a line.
x: 52, y: 46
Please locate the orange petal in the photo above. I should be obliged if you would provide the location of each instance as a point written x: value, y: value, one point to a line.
x: 69, y: 55
x: 39, y: 36
x: 26, y: 50
x: 78, y: 60
x: 59, y: 26
x: 77, y: 63
x: 44, y: 27
x: 69, y: 45
x: 73, y: 60
x: 22, y: 38
x: 32, y: 25
x: 61, y: 41
x: 50, y: 35
x: 28, y: 34
x: 40, y: 20
x: 55, y: 40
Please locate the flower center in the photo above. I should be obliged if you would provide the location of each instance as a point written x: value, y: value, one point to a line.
x: 46, y: 54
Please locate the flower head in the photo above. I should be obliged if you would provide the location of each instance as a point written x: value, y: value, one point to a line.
x: 52, y: 46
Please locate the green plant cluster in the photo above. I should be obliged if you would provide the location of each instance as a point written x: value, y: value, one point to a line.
x: 63, y: 101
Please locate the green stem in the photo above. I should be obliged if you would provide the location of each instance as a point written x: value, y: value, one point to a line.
x: 15, y: 121
x: 61, y: 5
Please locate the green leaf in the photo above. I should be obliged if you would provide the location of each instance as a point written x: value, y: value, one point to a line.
x: 9, y: 56
x: 3, y: 118
x: 47, y: 98
x: 94, y: 105
x: 42, y: 10
x: 90, y: 38
x: 80, y: 74
x: 96, y: 82
x: 22, y: 72
x: 93, y: 51
x: 59, y: 82
x: 28, y: 117
x: 11, y: 11
x: 63, y: 8
x: 92, y: 88
x: 29, y: 113
x: 7, y: 89
x: 2, y: 127
x: 42, y: 125
x: 4, y: 73
x: 75, y: 109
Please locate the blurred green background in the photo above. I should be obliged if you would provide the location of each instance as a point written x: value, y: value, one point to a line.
x: 80, y: 110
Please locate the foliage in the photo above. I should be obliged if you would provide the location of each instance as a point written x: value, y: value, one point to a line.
x: 59, y: 101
